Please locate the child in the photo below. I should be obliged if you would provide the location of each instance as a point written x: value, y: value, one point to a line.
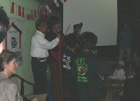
x: 119, y: 73
x: 67, y: 59
x: 87, y: 68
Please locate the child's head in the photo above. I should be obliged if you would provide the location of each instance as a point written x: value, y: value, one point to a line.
x: 77, y: 27
x: 120, y: 65
x: 88, y: 41
x: 4, y: 24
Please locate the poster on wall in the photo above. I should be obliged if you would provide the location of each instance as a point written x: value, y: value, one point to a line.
x: 13, y: 39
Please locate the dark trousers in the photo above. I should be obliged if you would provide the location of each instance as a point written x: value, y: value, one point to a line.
x: 40, y: 75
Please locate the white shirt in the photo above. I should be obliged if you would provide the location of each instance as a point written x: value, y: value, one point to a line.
x: 119, y: 74
x: 40, y: 45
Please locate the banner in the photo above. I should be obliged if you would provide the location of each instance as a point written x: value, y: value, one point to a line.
x: 57, y: 3
x: 13, y: 39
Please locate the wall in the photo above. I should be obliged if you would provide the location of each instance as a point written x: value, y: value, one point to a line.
x: 98, y: 16
x: 29, y: 28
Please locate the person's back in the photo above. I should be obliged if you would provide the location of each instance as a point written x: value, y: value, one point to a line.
x: 132, y: 88
x: 87, y: 68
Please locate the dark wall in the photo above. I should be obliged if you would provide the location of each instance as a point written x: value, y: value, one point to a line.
x: 108, y: 51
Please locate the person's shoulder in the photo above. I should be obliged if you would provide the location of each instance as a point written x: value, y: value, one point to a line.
x: 38, y: 35
x: 12, y: 86
x: 116, y: 70
x: 7, y: 82
x: 69, y: 35
x: 97, y: 57
x: 121, y: 69
x: 88, y: 54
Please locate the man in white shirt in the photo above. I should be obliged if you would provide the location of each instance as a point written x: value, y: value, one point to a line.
x: 39, y: 53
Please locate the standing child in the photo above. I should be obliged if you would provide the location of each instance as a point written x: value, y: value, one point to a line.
x: 67, y: 60
x: 87, y: 68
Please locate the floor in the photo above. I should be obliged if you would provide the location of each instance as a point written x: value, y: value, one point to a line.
x: 109, y: 96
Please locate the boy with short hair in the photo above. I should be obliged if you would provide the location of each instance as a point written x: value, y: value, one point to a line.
x: 87, y: 68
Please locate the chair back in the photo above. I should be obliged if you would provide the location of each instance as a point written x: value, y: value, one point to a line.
x: 40, y: 97
x: 14, y: 77
x: 14, y: 80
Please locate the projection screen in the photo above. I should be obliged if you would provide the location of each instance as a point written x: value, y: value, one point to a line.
x: 97, y: 16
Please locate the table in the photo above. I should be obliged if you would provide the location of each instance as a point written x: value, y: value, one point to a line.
x: 113, y: 85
